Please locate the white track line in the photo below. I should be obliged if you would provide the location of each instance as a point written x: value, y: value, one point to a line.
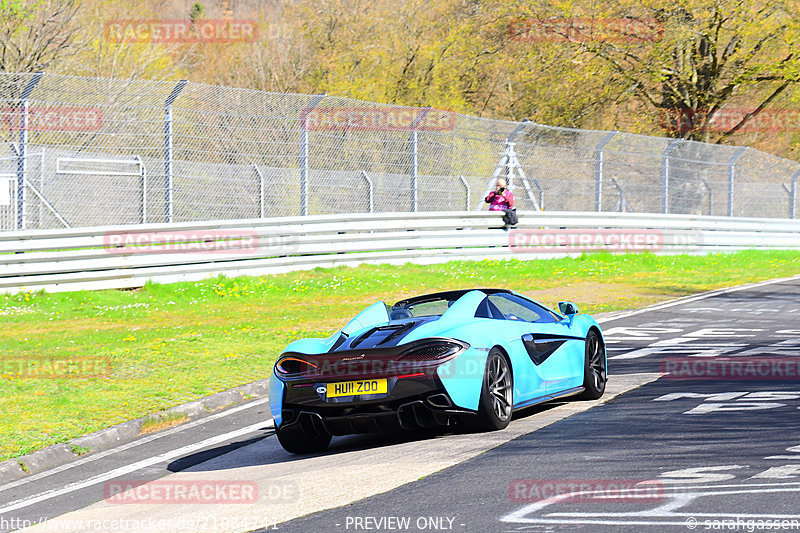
x: 137, y: 442
x: 127, y: 469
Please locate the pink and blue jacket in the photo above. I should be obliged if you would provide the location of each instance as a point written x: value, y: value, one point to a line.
x: 499, y: 202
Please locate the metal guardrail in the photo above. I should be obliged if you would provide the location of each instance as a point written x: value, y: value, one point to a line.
x: 129, y: 256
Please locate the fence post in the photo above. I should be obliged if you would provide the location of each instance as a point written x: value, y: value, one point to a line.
x: 665, y: 174
x: 260, y: 190
x: 370, y: 191
x: 414, y: 163
x: 144, y: 188
x: 598, y: 170
x: 22, y: 161
x: 792, y: 191
x: 710, y: 196
x: 304, y: 164
x: 41, y: 188
x: 168, y: 173
x: 303, y: 170
x: 466, y: 192
x: 414, y: 169
x: 731, y: 175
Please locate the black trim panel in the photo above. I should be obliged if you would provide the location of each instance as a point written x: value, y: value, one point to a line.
x: 540, y: 346
x: 548, y: 397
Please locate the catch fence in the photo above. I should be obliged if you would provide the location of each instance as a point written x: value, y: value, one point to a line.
x: 79, y: 152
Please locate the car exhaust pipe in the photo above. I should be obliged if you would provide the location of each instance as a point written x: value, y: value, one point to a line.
x: 440, y: 401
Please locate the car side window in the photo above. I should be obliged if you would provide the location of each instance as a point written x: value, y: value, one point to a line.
x: 487, y: 309
x: 512, y: 307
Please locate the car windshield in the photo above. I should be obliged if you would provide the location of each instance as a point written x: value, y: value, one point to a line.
x: 435, y: 307
x: 503, y: 306
x: 500, y: 305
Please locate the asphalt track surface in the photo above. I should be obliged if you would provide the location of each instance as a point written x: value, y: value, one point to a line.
x: 714, y: 446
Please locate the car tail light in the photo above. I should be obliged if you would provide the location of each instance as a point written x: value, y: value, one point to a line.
x: 431, y: 352
x: 414, y: 375
x: 294, y: 366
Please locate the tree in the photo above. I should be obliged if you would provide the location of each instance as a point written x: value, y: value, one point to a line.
x: 111, y: 55
x: 709, y: 56
x: 35, y: 35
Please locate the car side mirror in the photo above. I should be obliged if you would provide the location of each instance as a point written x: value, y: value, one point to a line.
x: 568, y: 308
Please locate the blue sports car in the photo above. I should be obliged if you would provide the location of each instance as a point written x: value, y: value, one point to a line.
x: 466, y: 357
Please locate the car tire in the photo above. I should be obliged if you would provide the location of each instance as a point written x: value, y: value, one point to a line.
x: 295, y: 440
x: 497, y: 394
x: 594, y: 368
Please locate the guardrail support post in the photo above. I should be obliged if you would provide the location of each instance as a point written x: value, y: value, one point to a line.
x: 665, y: 174
x: 731, y: 177
x: 304, y: 164
x: 168, y: 172
x: 598, y: 170
x: 22, y: 161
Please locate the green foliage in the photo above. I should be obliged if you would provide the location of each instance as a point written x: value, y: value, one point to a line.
x: 80, y: 450
x: 196, y: 12
x: 13, y: 8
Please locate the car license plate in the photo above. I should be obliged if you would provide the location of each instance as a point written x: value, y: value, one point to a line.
x: 354, y: 388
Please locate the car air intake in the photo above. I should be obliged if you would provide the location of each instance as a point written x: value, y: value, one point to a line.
x: 382, y: 335
x: 430, y: 352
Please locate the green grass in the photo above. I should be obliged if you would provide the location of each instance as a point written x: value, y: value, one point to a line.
x: 173, y: 343
x: 156, y: 422
x: 80, y: 450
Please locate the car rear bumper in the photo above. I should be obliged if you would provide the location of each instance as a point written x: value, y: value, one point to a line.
x: 410, y: 404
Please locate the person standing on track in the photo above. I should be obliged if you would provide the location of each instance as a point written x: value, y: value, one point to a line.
x: 500, y: 198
